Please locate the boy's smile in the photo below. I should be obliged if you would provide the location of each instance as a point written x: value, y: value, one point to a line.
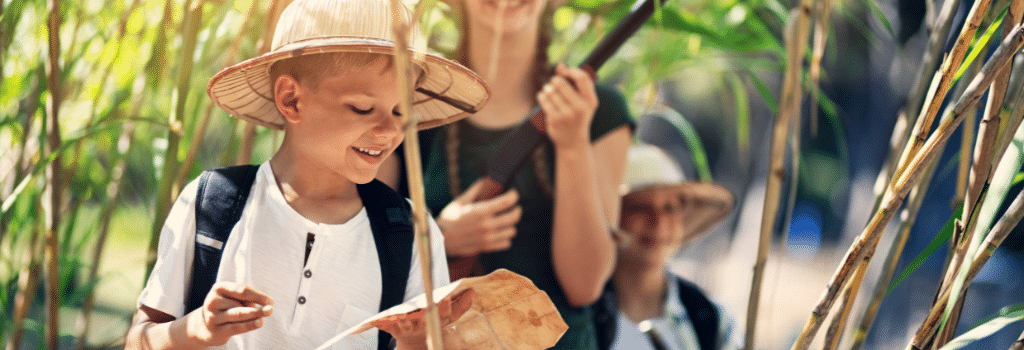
x: 349, y: 123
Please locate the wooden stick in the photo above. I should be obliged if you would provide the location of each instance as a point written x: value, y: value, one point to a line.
x: 911, y: 175
x: 414, y: 169
x: 797, y: 31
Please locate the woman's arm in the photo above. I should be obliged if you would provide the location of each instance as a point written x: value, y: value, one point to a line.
x: 587, y: 177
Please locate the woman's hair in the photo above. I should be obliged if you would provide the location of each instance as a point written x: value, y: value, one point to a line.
x: 542, y: 72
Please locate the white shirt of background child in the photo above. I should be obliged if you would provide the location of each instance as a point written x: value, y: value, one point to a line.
x: 338, y: 287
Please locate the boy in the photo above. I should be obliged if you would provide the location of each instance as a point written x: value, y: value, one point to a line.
x: 302, y: 262
x: 661, y: 213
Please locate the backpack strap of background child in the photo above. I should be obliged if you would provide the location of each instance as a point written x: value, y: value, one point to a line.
x: 220, y: 198
x: 393, y: 234
x: 703, y: 314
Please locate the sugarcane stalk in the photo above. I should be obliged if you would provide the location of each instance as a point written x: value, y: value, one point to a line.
x: 995, y: 237
x: 824, y: 10
x: 168, y: 186
x: 113, y: 196
x: 943, y: 79
x: 54, y: 174
x: 414, y: 169
x: 907, y: 217
x: 28, y: 281
x: 910, y: 176
x: 248, y: 141
x: 797, y: 32
x: 204, y: 121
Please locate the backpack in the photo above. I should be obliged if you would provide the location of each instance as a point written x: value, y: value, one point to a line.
x: 702, y: 312
x: 221, y: 196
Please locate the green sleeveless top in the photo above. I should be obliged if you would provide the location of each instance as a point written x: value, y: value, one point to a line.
x: 530, y: 254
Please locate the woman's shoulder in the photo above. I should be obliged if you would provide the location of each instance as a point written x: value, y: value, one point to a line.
x: 612, y: 111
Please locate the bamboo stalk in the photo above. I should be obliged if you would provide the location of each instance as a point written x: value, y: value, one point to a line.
x: 944, y: 78
x: 54, y: 174
x: 113, y: 195
x: 907, y: 217
x: 939, y: 29
x: 824, y: 10
x: 28, y: 282
x: 413, y: 166
x: 168, y: 186
x: 835, y: 330
x: 910, y: 176
x: 797, y: 32
x: 964, y: 166
x: 996, y: 236
x: 248, y: 140
x: 204, y: 121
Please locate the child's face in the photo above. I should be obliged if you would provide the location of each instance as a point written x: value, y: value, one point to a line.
x: 349, y: 123
x: 654, y: 221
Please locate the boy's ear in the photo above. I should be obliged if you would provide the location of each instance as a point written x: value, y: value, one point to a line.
x: 286, y: 97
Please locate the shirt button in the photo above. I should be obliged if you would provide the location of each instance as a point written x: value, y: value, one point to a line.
x: 308, y: 274
x: 302, y: 300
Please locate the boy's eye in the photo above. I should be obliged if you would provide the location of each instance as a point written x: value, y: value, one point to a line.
x: 361, y: 111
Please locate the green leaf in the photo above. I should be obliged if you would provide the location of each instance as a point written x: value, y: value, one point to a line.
x: 693, y: 142
x: 880, y: 16
x: 1003, y: 318
x: 979, y: 45
x: 742, y: 112
x: 942, y: 237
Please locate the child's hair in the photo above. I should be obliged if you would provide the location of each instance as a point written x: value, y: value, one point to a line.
x: 312, y: 69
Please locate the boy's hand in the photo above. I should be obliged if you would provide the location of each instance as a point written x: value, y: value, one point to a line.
x: 230, y: 308
x: 472, y: 228
x: 569, y: 101
x: 410, y: 332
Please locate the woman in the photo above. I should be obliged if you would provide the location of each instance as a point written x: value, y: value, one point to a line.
x: 552, y: 225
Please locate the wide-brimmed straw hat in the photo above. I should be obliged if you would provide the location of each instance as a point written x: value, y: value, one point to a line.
x: 446, y: 92
x: 649, y: 168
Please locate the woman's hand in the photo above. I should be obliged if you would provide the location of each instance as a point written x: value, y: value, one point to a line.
x: 569, y: 101
x: 472, y: 228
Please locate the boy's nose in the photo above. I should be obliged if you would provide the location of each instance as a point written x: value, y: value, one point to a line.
x: 388, y: 127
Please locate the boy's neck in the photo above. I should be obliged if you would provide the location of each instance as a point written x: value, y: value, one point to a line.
x: 512, y: 82
x: 316, y: 193
x: 637, y: 287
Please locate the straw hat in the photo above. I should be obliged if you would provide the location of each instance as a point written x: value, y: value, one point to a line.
x: 446, y: 92
x: 649, y: 168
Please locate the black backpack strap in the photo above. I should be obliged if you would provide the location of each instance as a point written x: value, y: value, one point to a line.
x: 605, y: 311
x: 220, y: 198
x: 393, y: 235
x: 703, y: 314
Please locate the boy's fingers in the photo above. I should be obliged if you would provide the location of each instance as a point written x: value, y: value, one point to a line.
x: 470, y: 194
x: 499, y: 203
x: 244, y: 294
x: 221, y: 304
x: 510, y: 218
x: 242, y: 327
x: 240, y: 314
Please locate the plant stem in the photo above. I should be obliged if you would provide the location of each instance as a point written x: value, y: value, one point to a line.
x: 54, y: 173
x: 910, y: 176
x: 824, y: 10
x: 939, y: 29
x: 908, y: 216
x: 944, y: 78
x: 168, y: 187
x: 248, y: 141
x: 797, y: 32
x: 995, y: 237
x: 28, y: 281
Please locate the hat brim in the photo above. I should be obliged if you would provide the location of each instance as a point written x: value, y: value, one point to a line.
x: 704, y: 203
x: 446, y: 93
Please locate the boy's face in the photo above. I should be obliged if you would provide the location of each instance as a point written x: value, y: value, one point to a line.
x: 654, y: 221
x: 349, y: 123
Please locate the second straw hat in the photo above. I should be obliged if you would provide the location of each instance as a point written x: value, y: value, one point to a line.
x: 446, y: 92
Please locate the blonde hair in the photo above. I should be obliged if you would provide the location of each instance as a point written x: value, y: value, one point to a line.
x: 312, y: 69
